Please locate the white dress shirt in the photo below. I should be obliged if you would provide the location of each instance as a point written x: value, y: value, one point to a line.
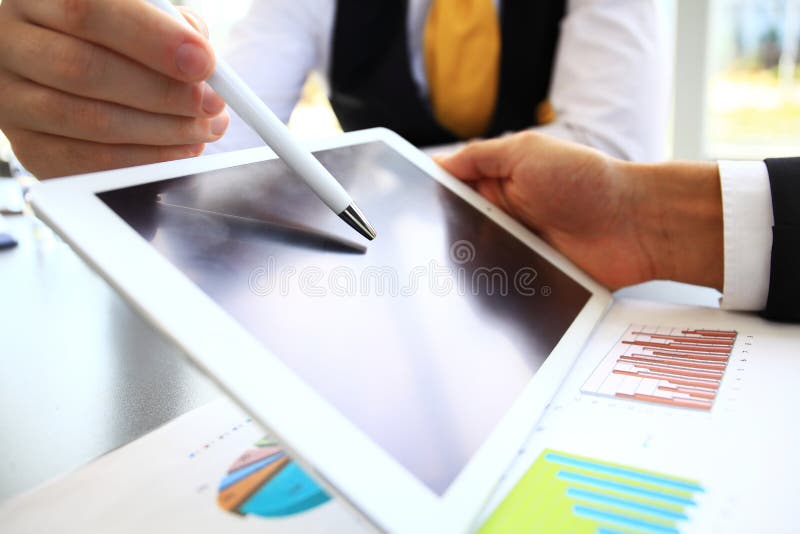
x: 747, y: 220
x: 610, y: 80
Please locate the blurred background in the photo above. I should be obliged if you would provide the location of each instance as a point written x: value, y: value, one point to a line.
x: 753, y: 89
x: 737, y: 81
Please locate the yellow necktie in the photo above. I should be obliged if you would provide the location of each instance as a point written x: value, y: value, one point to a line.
x: 462, y: 63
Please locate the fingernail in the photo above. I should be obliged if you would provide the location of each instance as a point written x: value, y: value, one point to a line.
x: 192, y: 60
x: 212, y: 102
x: 219, y: 124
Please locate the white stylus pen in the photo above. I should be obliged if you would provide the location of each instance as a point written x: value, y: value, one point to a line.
x: 254, y: 112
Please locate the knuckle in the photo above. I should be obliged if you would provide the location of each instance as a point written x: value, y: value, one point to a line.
x: 94, y: 118
x: 528, y: 137
x: 471, y: 146
x: 180, y: 96
x: 188, y: 130
x: 74, y: 64
x: 195, y: 99
x: 44, y: 106
x: 167, y: 93
x: 75, y: 14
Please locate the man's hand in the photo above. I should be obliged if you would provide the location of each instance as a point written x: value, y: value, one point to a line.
x: 89, y: 85
x: 622, y: 223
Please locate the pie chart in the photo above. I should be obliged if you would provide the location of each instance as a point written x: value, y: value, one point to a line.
x: 265, y: 482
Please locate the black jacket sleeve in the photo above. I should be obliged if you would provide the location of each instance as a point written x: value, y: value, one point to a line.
x: 783, y: 302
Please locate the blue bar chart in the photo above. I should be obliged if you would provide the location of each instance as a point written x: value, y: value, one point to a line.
x: 562, y: 492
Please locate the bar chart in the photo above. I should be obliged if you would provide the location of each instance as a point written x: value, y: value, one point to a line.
x: 681, y: 367
x: 563, y: 492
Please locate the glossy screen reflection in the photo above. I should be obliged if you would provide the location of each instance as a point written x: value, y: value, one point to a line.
x: 415, y: 338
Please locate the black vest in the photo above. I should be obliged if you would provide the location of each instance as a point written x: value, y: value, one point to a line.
x: 370, y: 73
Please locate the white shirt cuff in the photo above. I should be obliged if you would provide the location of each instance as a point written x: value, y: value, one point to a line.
x: 747, y: 219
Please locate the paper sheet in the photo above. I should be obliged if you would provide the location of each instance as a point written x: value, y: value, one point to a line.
x: 742, y: 452
x: 732, y: 466
x: 177, y: 479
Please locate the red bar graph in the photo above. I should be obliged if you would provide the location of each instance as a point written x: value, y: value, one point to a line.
x: 679, y: 367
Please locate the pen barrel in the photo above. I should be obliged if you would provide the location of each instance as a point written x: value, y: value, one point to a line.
x: 238, y: 95
x: 258, y: 116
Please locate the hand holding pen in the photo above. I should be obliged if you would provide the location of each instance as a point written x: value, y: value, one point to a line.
x: 98, y: 84
x: 82, y: 88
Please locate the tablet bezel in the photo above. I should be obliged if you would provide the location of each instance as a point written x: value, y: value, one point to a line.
x: 352, y: 466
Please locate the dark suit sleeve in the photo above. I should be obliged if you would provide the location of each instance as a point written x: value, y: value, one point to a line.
x: 783, y: 302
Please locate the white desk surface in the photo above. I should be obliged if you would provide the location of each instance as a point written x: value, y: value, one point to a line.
x: 82, y: 374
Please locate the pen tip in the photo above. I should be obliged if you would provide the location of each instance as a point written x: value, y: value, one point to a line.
x: 353, y: 216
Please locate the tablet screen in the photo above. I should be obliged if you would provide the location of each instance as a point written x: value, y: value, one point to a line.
x: 423, y: 338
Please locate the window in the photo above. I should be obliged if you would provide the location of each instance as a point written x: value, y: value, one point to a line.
x: 737, y: 84
x: 753, y: 85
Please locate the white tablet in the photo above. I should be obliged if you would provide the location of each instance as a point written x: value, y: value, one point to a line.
x: 404, y: 373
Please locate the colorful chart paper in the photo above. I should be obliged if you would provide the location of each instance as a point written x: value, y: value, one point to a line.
x: 267, y: 483
x: 680, y: 367
x: 562, y: 492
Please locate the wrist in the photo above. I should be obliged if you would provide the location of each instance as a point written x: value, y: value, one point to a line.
x: 677, y: 210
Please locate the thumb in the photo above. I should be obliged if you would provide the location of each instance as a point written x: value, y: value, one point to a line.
x: 480, y: 160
